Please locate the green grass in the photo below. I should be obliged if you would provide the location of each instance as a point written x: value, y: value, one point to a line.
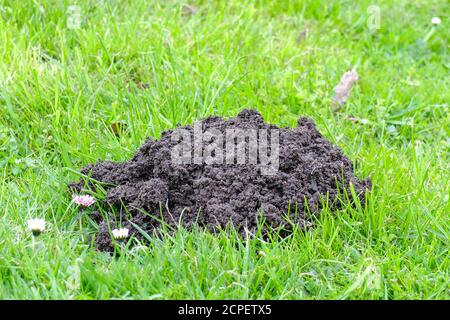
x: 61, y: 89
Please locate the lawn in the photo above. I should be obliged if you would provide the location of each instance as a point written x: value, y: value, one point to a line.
x: 72, y: 71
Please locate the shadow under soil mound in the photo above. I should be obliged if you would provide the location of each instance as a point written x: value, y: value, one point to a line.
x: 154, y: 186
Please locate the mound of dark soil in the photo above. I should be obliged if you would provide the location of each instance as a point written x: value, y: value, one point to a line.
x: 310, y: 171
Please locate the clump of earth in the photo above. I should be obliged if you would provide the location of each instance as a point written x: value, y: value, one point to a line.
x: 154, y: 188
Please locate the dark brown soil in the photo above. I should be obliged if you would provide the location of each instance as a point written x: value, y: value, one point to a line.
x: 310, y: 171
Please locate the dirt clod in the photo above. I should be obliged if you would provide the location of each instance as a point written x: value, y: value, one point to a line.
x: 150, y: 186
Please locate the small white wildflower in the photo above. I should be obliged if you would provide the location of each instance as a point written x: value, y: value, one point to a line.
x: 84, y: 200
x: 120, y: 234
x: 436, y: 21
x: 36, y: 226
x: 364, y: 121
x: 392, y: 130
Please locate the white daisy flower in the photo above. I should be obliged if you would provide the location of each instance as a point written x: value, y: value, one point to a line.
x: 436, y: 21
x: 36, y: 226
x: 120, y: 234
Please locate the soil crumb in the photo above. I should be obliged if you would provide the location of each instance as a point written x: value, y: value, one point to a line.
x: 152, y: 187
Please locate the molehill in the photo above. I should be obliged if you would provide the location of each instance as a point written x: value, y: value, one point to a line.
x: 152, y: 187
